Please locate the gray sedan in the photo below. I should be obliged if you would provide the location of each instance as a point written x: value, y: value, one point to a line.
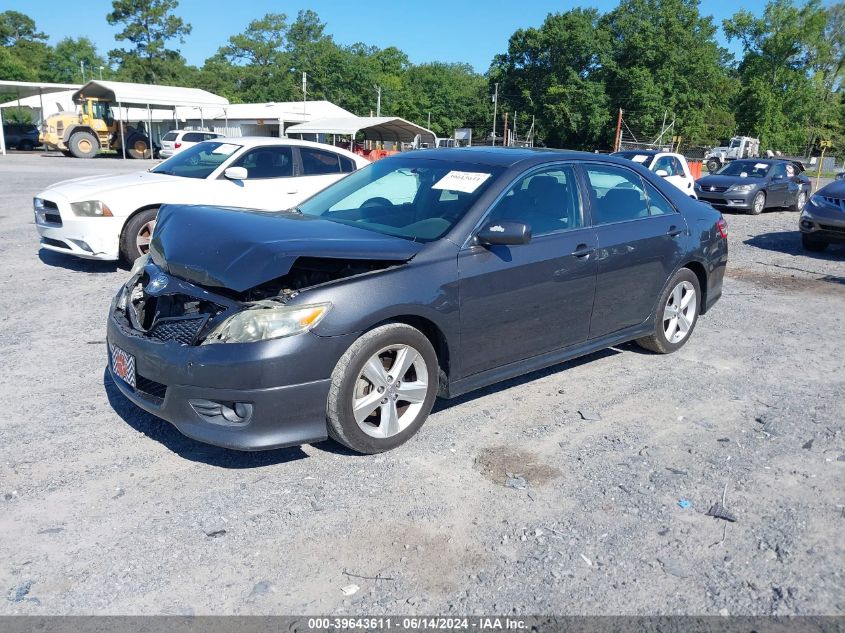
x: 756, y: 184
x: 823, y: 219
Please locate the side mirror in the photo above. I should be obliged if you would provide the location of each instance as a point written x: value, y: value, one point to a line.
x: 662, y: 173
x: 236, y: 173
x: 504, y: 234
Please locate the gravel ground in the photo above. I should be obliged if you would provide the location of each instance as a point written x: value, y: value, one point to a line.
x: 507, y: 501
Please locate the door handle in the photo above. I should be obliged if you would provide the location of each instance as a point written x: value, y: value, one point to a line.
x: 295, y: 191
x: 583, y: 250
x: 674, y: 231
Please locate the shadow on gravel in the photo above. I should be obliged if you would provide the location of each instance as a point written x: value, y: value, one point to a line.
x: 77, y: 264
x: 441, y: 404
x: 185, y: 447
x: 789, y: 242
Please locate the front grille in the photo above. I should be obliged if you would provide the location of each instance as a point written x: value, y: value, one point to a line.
x: 150, y: 389
x: 182, y: 331
x: 49, y: 204
x: 714, y: 188
x: 832, y: 228
x: 51, y: 242
x: 836, y: 202
x: 53, y: 218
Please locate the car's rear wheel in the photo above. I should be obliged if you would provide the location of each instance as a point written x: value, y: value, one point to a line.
x: 26, y: 145
x: 800, y: 201
x: 137, y: 235
x: 812, y: 244
x: 382, y: 389
x: 759, y: 203
x: 713, y: 165
x: 676, y: 314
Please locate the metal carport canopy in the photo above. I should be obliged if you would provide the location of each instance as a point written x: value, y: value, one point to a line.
x: 25, y: 89
x: 373, y: 128
x: 130, y: 94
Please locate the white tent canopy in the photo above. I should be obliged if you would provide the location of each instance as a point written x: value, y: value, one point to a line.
x: 23, y: 89
x: 372, y: 127
x: 148, y: 95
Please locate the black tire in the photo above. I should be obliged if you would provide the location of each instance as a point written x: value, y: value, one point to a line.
x: 713, y: 165
x: 138, y: 146
x: 813, y: 245
x: 757, y: 209
x: 341, y: 421
x: 800, y: 201
x: 657, y: 341
x: 83, y: 145
x: 129, y: 249
x: 26, y: 145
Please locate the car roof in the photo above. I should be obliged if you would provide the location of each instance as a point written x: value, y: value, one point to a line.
x: 641, y: 152
x: 509, y: 156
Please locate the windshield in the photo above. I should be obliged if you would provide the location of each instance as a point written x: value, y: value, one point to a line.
x: 736, y: 142
x: 198, y: 161
x: 419, y: 200
x: 637, y: 157
x: 745, y: 169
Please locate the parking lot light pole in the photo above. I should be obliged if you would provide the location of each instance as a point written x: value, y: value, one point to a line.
x: 495, y: 107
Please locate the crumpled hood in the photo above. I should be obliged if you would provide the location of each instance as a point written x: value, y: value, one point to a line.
x: 78, y: 189
x: 727, y: 181
x: 239, y: 249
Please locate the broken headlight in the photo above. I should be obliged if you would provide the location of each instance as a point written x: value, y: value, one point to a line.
x: 266, y: 320
x: 90, y: 209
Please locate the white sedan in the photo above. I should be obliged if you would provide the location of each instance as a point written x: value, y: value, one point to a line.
x: 671, y: 166
x: 112, y: 217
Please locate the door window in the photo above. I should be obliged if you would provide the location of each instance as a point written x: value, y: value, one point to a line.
x: 617, y: 194
x: 267, y: 162
x: 657, y: 204
x: 193, y: 137
x: 318, y: 162
x: 670, y: 164
x: 779, y: 171
x: 545, y: 200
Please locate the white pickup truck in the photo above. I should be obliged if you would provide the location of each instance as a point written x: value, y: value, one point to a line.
x: 671, y: 166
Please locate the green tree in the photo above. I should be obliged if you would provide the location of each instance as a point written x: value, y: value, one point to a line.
x: 16, y: 27
x: 782, y: 97
x: 63, y: 63
x: 554, y: 72
x: 150, y: 25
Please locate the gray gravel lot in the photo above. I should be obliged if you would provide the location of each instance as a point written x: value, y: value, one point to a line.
x: 507, y: 500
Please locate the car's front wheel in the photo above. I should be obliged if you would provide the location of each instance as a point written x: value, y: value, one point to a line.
x: 800, y: 201
x: 382, y: 389
x: 676, y: 314
x: 137, y: 235
x: 759, y: 203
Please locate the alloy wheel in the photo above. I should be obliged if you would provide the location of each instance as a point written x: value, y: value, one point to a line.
x: 144, y: 237
x: 679, y: 312
x: 390, y: 391
x: 759, y: 202
x: 802, y: 200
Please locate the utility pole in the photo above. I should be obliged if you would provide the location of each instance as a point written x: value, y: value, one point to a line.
x: 82, y: 68
x: 304, y: 89
x: 378, y: 101
x: 101, y: 73
x: 429, y: 120
x: 618, y: 131
x: 515, y: 114
x: 505, y: 132
x: 495, y: 108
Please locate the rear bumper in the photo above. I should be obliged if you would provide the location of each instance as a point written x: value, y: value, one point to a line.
x: 284, y: 382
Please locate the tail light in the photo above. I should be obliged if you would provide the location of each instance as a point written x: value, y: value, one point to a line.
x: 723, y: 228
x: 177, y: 145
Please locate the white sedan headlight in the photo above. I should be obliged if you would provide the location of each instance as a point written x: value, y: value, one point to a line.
x: 90, y: 209
x: 741, y: 188
x: 266, y: 320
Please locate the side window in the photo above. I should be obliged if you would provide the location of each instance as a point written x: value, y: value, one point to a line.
x: 317, y: 162
x: 347, y: 165
x: 546, y: 200
x: 676, y: 165
x: 779, y: 170
x: 657, y: 204
x: 267, y: 162
x: 616, y: 194
x: 209, y: 137
x: 667, y: 164
x: 193, y: 137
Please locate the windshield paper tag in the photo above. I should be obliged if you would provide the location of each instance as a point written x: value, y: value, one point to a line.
x: 465, y: 181
x: 225, y: 148
x: 760, y: 166
x: 639, y: 158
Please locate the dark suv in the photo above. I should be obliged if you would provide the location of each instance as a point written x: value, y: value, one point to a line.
x: 23, y: 136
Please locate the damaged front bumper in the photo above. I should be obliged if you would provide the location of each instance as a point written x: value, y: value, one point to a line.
x: 244, y: 396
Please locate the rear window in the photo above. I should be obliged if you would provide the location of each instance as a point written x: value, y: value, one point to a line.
x: 316, y: 162
x: 170, y: 136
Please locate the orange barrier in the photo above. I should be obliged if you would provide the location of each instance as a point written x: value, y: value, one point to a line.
x: 375, y: 154
x: 695, y: 168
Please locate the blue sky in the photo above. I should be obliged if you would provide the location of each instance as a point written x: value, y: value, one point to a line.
x: 469, y: 31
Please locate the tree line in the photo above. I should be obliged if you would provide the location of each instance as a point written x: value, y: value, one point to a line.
x: 569, y: 76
